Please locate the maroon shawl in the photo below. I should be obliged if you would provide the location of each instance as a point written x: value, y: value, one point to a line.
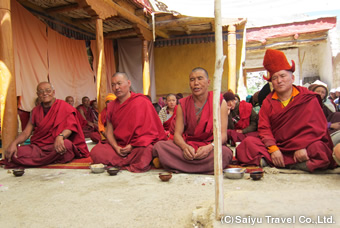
x: 61, y: 116
x: 296, y: 126
x: 135, y: 121
x: 88, y: 113
x: 245, y: 109
x: 198, y: 134
x: 167, y: 123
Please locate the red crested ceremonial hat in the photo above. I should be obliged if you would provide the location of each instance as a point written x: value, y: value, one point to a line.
x: 274, y: 61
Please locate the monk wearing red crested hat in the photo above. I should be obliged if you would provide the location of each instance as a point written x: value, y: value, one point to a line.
x: 57, y: 134
x: 292, y: 127
x: 132, y: 128
x: 192, y: 148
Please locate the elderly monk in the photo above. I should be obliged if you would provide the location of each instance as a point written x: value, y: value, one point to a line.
x: 132, y: 128
x: 100, y: 134
x: 57, y: 135
x: 292, y: 127
x: 191, y: 150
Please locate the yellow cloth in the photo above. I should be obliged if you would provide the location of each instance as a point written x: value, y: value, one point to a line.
x: 110, y: 97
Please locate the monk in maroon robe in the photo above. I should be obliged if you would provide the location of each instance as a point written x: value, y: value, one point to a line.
x: 191, y: 151
x: 87, y: 129
x: 292, y: 127
x: 57, y: 136
x: 132, y: 128
x: 86, y: 112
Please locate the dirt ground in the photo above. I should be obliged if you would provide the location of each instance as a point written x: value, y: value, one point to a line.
x: 78, y: 198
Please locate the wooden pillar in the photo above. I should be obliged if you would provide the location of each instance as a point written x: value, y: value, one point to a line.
x: 101, y: 68
x: 9, y: 123
x: 146, y: 68
x: 232, y: 57
x: 218, y: 168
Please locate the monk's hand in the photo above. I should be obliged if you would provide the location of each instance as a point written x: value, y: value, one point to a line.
x: 301, y: 155
x: 335, y: 126
x: 203, y: 151
x: 277, y: 158
x: 59, y: 145
x: 126, y: 150
x: 239, y: 131
x: 12, y: 150
x: 117, y: 149
x: 189, y: 152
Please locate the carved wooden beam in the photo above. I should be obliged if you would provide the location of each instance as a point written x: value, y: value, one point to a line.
x: 143, y: 33
x: 64, y: 8
x: 100, y: 9
x: 182, y: 22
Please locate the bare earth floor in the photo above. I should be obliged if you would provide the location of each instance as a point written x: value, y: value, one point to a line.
x: 78, y: 198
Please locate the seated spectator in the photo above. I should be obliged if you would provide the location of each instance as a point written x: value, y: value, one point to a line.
x: 94, y: 110
x: 86, y: 112
x: 168, y: 112
x: 100, y: 135
x: 332, y: 116
x: 242, y: 119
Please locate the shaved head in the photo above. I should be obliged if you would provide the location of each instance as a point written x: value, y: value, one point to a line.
x: 122, y: 74
x: 200, y: 69
x: 43, y: 83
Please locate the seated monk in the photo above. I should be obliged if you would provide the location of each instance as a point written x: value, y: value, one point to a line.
x: 132, y: 128
x: 85, y: 127
x: 86, y: 111
x: 191, y: 150
x: 242, y: 119
x: 57, y: 136
x: 94, y: 110
x: 292, y: 127
x: 100, y: 134
x: 168, y: 112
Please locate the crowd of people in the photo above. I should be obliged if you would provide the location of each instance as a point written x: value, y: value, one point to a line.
x: 282, y: 125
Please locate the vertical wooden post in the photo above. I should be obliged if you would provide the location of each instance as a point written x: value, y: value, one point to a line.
x: 232, y: 57
x: 146, y: 68
x: 101, y: 68
x: 9, y: 112
x: 219, y: 210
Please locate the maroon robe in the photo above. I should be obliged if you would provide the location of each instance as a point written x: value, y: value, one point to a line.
x: 87, y: 129
x: 61, y: 116
x: 135, y: 122
x: 301, y: 124
x: 196, y: 135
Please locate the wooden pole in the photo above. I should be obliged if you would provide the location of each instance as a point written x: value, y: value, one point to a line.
x: 232, y: 57
x: 101, y: 68
x: 219, y: 210
x: 146, y: 69
x: 9, y: 112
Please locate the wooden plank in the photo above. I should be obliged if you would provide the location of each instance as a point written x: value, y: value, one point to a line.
x: 218, y: 168
x: 67, y: 20
x: 64, y: 8
x: 182, y: 22
x: 101, y: 70
x: 9, y: 124
x: 121, y: 33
